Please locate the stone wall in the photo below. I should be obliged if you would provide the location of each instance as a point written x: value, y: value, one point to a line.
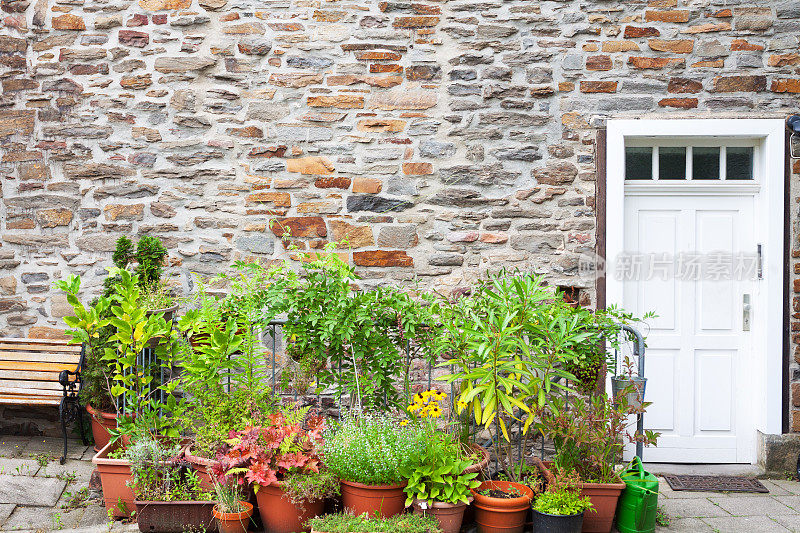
x: 441, y: 138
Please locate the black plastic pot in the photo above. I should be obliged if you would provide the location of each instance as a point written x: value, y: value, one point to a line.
x: 552, y: 523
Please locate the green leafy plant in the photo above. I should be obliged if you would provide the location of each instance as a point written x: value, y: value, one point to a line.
x: 347, y: 523
x: 132, y: 379
x: 438, y: 472
x: 347, y: 339
x: 150, y: 255
x: 590, y: 433
x: 372, y: 449
x: 505, y: 372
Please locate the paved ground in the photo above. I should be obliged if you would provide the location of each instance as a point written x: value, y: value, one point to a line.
x: 713, y: 511
x: 37, y: 494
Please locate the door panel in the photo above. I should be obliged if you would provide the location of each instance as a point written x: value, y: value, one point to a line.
x: 696, y: 349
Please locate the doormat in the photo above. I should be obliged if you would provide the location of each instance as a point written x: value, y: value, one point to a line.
x: 715, y: 483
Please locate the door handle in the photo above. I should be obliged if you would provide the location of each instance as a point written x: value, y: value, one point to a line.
x: 746, y: 312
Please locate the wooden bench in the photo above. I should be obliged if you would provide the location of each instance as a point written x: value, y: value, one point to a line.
x: 43, y: 372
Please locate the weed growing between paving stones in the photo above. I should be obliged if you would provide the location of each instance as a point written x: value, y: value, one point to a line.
x: 77, y: 500
x: 662, y: 518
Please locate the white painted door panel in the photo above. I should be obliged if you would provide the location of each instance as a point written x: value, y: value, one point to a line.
x: 698, y: 355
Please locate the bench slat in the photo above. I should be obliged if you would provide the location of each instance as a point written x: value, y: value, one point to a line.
x: 38, y: 349
x: 36, y: 366
x: 28, y: 399
x: 41, y: 357
x: 25, y: 340
x: 44, y: 387
x: 27, y: 376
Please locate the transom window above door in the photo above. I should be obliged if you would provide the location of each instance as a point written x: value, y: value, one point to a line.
x: 707, y: 160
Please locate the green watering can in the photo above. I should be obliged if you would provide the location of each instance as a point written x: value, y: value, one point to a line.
x: 636, y: 511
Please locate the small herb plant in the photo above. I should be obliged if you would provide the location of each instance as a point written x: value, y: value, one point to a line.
x: 347, y: 523
x: 562, y: 497
x: 158, y: 473
x: 229, y: 497
x: 372, y: 449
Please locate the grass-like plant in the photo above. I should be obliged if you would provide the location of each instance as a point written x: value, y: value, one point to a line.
x: 347, y: 523
x: 372, y: 449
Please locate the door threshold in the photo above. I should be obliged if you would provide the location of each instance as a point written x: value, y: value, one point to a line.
x: 698, y: 469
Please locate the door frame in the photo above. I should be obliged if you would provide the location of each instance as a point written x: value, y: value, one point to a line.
x: 771, y: 349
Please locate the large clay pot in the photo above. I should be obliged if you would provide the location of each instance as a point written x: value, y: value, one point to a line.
x: 203, y: 468
x: 279, y: 515
x: 234, y: 522
x: 101, y: 423
x: 114, y: 477
x: 604, y: 497
x: 481, y: 465
x: 375, y: 500
x: 501, y: 515
x: 448, y: 515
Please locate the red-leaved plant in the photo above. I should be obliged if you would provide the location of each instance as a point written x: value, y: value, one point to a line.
x: 263, y: 455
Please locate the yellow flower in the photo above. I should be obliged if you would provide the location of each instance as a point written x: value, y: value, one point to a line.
x: 404, y: 423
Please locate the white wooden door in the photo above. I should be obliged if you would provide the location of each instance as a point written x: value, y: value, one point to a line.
x: 696, y: 268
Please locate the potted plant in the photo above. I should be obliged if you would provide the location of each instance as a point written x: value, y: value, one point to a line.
x: 281, y: 462
x: 336, y: 333
x: 369, y: 454
x: 438, y: 484
x: 561, y: 507
x: 504, y: 376
x: 167, y: 490
x: 93, y: 326
x: 349, y: 523
x: 589, y: 434
x: 231, y: 512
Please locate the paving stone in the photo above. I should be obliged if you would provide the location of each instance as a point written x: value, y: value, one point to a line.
x: 791, y: 522
x: 682, y: 508
x: 94, y: 515
x: 40, y: 492
x: 775, y: 489
x: 751, y: 506
x: 761, y: 524
x: 792, y: 501
x: 685, y: 525
x: 5, y: 511
x: 82, y: 470
x: 36, y: 518
x: 792, y: 487
x: 18, y: 466
x: 12, y: 446
x: 54, y: 447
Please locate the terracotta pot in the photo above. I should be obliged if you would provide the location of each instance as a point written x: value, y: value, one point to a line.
x: 448, y: 515
x: 279, y: 515
x: 234, y: 522
x: 203, y: 468
x: 501, y: 515
x: 375, y: 500
x: 114, y: 477
x: 101, y: 423
x: 175, y: 516
x: 481, y: 465
x: 604, y: 497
